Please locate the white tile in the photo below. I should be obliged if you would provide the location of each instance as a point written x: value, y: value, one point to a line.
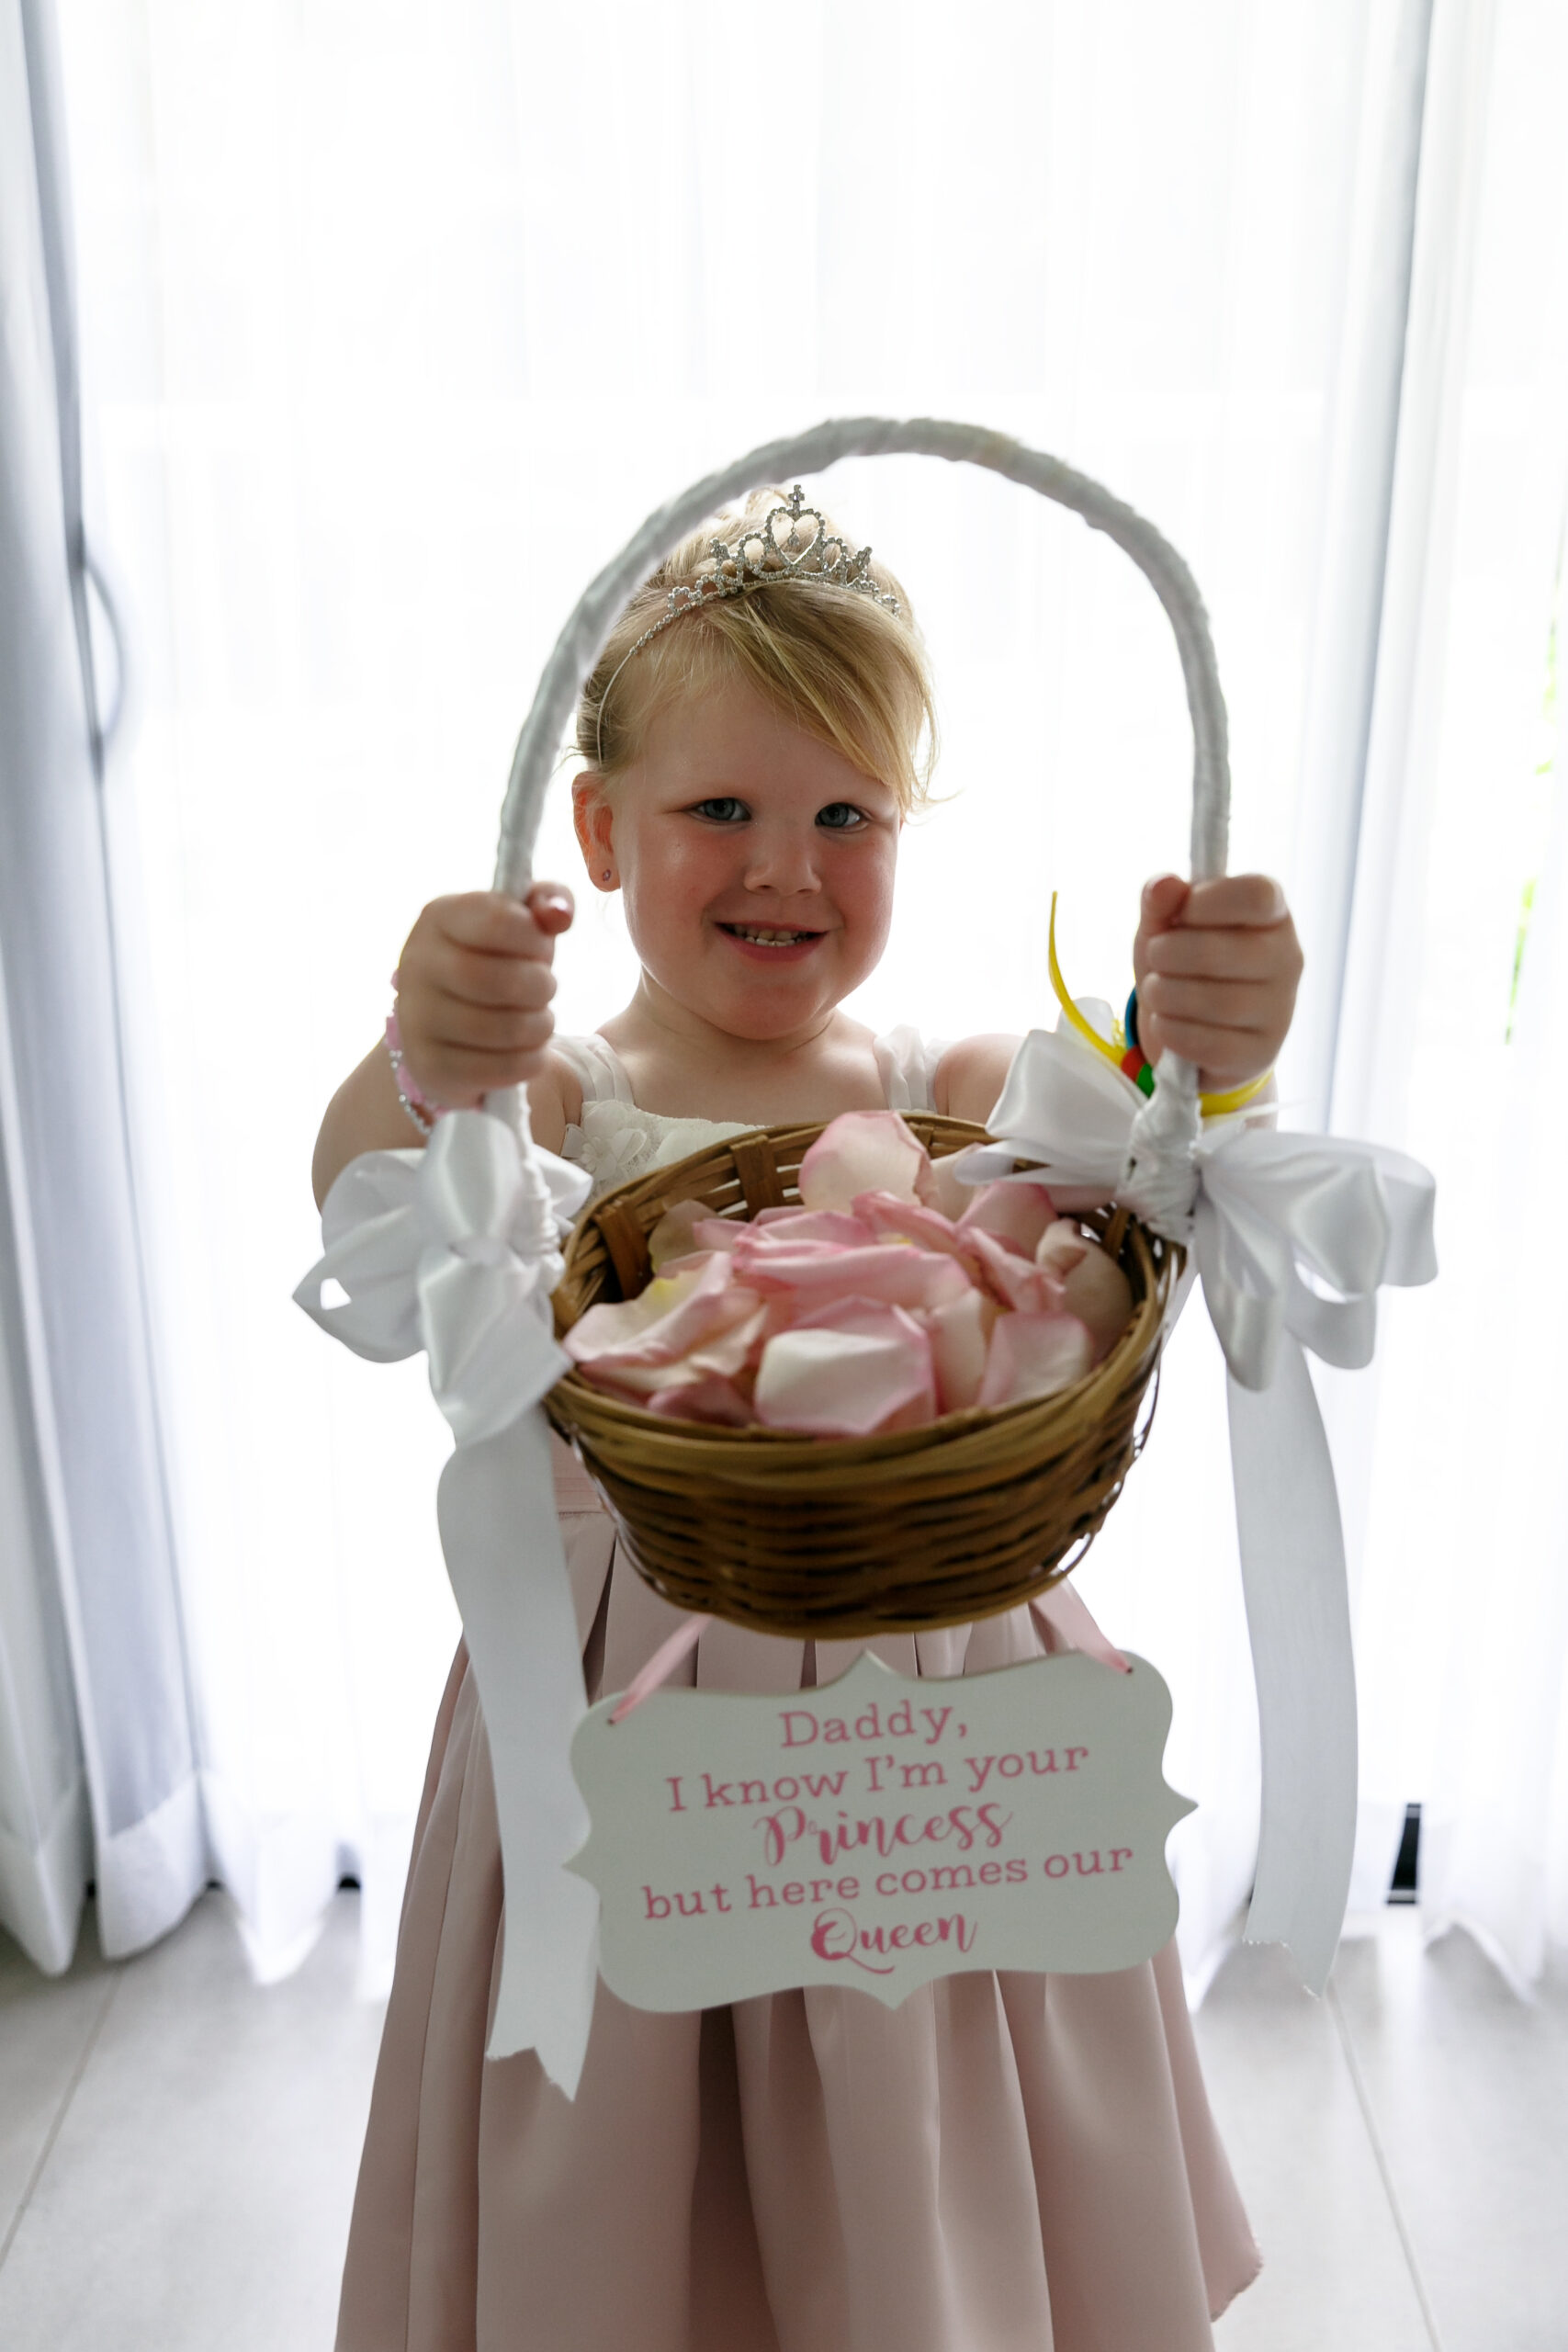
x: 1467, y: 2087
x: 197, y: 2197
x: 46, y: 2024
x: 1335, y: 2277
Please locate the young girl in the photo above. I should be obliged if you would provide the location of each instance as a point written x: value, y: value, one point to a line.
x: 1006, y: 2162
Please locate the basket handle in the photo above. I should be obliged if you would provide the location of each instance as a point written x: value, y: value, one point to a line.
x: 583, y: 639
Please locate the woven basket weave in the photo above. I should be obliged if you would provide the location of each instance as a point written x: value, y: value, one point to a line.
x: 853, y: 1536
x: 974, y: 1512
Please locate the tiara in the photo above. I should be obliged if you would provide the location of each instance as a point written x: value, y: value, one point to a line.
x: 758, y: 560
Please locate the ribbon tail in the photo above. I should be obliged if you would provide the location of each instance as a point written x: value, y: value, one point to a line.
x: 501, y: 1538
x: 1298, y: 1613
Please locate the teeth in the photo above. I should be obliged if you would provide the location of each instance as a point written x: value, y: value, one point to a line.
x: 767, y: 938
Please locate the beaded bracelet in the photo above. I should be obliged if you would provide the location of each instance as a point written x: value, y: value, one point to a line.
x: 423, y: 1115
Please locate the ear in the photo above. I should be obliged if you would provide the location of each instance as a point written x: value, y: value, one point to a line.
x: 593, y: 815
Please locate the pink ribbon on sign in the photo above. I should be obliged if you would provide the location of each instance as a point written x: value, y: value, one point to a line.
x: 1066, y: 1624
x: 659, y: 1666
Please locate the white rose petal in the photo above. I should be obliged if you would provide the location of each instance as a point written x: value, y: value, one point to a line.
x: 959, y: 1332
x: 1034, y: 1355
x: 843, y: 1384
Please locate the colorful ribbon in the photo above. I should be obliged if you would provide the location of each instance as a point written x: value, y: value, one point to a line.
x: 1127, y: 1054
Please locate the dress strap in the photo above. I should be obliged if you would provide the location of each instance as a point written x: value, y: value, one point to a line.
x: 907, y: 1063
x: 596, y: 1064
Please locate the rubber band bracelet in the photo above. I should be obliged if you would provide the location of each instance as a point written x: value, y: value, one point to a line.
x: 1125, y: 1052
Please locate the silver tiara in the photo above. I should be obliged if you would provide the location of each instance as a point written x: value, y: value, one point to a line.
x: 758, y: 560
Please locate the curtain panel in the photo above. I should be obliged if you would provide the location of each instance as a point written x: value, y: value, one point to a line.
x: 96, y: 1754
x: 1450, y: 1033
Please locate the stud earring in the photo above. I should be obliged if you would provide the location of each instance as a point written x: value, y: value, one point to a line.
x: 606, y: 874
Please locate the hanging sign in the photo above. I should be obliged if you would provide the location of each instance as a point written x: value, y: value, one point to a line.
x: 880, y: 1831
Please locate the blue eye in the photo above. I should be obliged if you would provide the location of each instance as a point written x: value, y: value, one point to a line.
x: 723, y: 809
x: 840, y: 817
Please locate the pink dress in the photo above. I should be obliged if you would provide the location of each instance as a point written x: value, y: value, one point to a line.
x: 1007, y: 2162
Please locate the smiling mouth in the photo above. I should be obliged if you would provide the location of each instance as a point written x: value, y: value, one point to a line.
x: 764, y: 935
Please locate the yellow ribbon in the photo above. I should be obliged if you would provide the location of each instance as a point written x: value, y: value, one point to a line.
x: 1212, y: 1106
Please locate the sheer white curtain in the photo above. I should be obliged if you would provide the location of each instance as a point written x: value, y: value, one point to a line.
x: 398, y: 319
x: 97, y: 1770
x: 1454, y: 1009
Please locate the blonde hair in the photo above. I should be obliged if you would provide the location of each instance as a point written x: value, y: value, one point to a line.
x: 847, y: 669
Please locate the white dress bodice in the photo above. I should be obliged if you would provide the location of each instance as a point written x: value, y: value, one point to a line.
x: 617, y: 1139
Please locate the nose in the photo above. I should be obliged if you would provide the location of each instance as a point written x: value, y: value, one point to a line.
x: 782, y: 858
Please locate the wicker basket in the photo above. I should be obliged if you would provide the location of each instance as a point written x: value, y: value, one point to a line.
x: 934, y: 1526
x: 974, y: 1512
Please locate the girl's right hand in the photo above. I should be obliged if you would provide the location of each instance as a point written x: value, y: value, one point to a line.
x: 474, y: 987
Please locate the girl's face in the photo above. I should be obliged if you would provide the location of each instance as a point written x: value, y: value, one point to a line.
x: 755, y: 861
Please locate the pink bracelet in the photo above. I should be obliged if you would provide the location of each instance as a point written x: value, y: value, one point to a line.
x: 424, y: 1113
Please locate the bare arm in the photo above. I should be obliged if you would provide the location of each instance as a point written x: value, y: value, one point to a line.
x: 365, y: 1115
x: 474, y: 987
x: 969, y: 1077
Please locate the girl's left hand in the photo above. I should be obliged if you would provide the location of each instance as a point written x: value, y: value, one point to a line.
x: 1216, y: 966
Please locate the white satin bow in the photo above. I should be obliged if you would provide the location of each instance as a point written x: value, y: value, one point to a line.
x: 445, y: 1249
x: 453, y: 1249
x: 1293, y: 1235
x: 1290, y: 1233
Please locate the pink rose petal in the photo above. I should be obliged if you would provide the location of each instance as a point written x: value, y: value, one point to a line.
x: 618, y: 1324
x: 870, y: 1317
x: 1013, y: 1212
x: 820, y: 1233
x: 708, y: 1399
x: 938, y: 1188
x: 677, y: 1314
x: 773, y: 1242
x: 674, y: 1236
x: 723, y: 1357
x: 1061, y: 1246
x: 892, y: 1219
x: 718, y: 1232
x: 695, y: 1264
x: 861, y: 1151
x: 810, y: 1224
x: 869, y: 1310
x: 1033, y: 1355
x: 897, y: 1277
x: 990, y: 1264
x: 959, y: 1333
x: 1016, y: 1282
x: 1094, y: 1287
x: 836, y: 1382
x: 778, y: 1313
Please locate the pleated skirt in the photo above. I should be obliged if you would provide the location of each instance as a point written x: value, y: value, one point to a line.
x: 1006, y: 2163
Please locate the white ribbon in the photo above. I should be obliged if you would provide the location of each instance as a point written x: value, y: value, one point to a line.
x: 1292, y: 1236
x: 453, y: 1250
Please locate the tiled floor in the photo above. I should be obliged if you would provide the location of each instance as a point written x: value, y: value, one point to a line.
x: 1402, y: 2147
x: 177, y: 2148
